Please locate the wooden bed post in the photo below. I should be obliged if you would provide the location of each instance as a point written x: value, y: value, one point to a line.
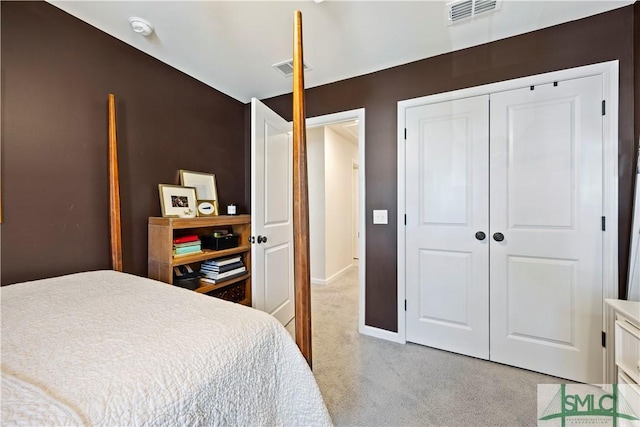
x: 302, y: 275
x: 114, y: 191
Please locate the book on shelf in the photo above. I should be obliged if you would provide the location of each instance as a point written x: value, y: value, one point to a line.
x: 223, y: 261
x: 220, y: 279
x: 185, y: 239
x: 221, y: 269
x: 182, y: 245
x: 175, y: 255
x: 226, y: 274
x: 187, y: 249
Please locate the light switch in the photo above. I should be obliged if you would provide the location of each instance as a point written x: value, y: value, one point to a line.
x: 380, y: 216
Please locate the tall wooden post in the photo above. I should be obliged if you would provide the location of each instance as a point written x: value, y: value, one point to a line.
x: 302, y: 274
x: 114, y: 191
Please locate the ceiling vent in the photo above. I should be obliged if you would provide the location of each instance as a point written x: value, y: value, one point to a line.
x: 286, y: 68
x: 464, y: 9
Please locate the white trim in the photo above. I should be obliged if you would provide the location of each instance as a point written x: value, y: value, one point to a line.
x: 357, y: 114
x: 609, y: 71
x: 333, y: 278
x: 402, y: 331
x: 610, y: 250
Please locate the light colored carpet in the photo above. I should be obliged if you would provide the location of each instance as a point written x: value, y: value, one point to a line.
x: 367, y: 381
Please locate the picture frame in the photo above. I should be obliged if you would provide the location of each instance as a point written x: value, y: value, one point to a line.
x: 207, y: 207
x: 204, y: 183
x: 177, y: 201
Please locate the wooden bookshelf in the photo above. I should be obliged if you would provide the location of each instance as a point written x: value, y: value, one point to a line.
x: 161, y: 261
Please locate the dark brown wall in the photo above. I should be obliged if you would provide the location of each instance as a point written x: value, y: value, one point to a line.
x: 600, y: 38
x: 56, y: 74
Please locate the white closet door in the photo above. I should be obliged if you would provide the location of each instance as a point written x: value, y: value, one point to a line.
x: 447, y: 204
x: 546, y: 200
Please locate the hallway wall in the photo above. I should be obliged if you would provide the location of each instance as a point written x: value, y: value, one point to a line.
x: 330, y: 160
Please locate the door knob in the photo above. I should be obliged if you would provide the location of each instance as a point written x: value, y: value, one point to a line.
x: 252, y: 239
x: 498, y: 237
x: 262, y: 239
x: 480, y: 235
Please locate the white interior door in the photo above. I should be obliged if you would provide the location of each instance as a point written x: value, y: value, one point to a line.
x: 272, y: 281
x: 546, y: 200
x: 447, y: 267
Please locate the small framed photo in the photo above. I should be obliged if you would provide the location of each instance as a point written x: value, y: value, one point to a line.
x: 207, y: 207
x: 204, y: 183
x: 177, y: 201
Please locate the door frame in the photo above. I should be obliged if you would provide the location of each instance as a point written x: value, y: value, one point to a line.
x: 343, y: 116
x: 609, y: 72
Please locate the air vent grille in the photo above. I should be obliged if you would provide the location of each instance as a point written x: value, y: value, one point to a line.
x: 465, y: 9
x: 286, y: 68
x: 461, y: 10
x: 484, y: 6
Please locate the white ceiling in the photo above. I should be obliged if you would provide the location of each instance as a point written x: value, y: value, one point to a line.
x: 231, y: 45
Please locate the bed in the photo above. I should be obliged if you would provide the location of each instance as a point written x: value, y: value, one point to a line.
x: 110, y: 348
x: 138, y: 352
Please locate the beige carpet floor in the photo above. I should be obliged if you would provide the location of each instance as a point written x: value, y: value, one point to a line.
x: 367, y: 381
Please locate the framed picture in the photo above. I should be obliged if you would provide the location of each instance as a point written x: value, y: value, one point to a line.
x: 177, y: 201
x: 207, y: 207
x: 204, y: 183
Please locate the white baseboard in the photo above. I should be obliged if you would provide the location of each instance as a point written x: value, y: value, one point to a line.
x: 328, y: 281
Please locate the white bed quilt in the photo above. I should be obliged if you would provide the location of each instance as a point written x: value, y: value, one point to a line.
x: 109, y: 348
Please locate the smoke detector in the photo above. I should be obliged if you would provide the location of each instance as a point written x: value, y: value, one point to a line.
x: 464, y: 9
x: 286, y: 67
x: 141, y: 26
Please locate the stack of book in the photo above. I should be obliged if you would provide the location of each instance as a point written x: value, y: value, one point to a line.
x: 219, y: 270
x: 186, y: 245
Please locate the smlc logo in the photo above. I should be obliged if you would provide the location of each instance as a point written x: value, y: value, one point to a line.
x: 581, y: 404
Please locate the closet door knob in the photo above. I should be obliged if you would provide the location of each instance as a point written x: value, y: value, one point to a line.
x: 498, y: 237
x: 262, y: 239
x: 480, y: 235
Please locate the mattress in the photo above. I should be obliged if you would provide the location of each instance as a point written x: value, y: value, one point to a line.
x: 109, y: 348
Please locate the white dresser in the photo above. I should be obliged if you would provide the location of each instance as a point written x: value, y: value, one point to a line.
x: 627, y: 349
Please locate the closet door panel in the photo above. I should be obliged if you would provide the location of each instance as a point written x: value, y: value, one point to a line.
x: 541, y: 165
x: 546, y: 201
x: 447, y: 203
